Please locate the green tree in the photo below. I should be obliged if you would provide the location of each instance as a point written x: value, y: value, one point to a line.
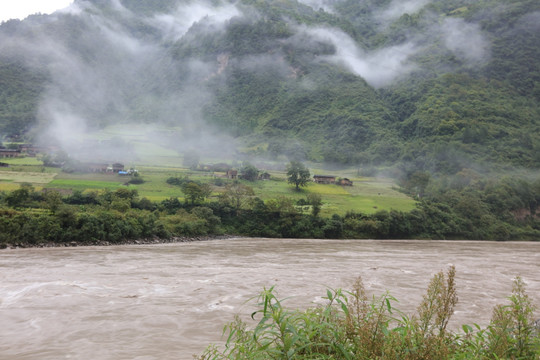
x: 127, y: 194
x: 237, y: 195
x: 212, y: 221
x: 417, y: 182
x: 249, y: 172
x: 297, y: 174
x: 53, y: 200
x: 20, y: 196
x: 315, y: 200
x: 282, y: 205
x: 196, y: 192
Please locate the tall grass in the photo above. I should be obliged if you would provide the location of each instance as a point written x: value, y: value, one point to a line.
x: 351, y: 326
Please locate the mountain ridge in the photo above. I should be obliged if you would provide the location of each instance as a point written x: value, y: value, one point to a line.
x: 354, y: 83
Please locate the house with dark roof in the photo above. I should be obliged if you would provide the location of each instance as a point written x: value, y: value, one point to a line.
x: 10, y: 153
x: 324, y: 179
x: 232, y: 174
x: 116, y: 167
x: 344, y: 182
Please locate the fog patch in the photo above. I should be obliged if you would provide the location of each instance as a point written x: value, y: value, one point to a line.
x: 465, y: 40
x: 326, y: 5
x: 103, y: 76
x: 264, y: 63
x: 118, y: 38
x: 73, y: 9
x: 117, y: 5
x: 397, y: 8
x: 174, y: 26
x: 379, y: 67
x: 530, y: 22
x: 65, y: 125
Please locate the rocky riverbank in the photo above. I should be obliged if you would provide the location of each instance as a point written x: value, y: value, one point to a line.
x: 147, y: 241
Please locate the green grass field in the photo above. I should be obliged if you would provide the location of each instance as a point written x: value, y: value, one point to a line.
x: 367, y: 197
x: 157, y: 164
x: 83, y: 185
x: 8, y: 186
x: 27, y: 177
x: 155, y: 187
x: 23, y: 161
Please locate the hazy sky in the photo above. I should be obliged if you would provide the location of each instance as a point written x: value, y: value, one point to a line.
x: 19, y: 9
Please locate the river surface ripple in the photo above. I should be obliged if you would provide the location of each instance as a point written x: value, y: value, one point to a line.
x: 170, y: 301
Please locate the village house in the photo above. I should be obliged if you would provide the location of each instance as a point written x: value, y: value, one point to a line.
x: 232, y: 174
x: 117, y: 167
x: 324, y: 179
x: 96, y: 168
x: 344, y: 182
x: 128, y: 172
x: 32, y: 150
x: 10, y: 153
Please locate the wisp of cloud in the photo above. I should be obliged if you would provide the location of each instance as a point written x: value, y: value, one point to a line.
x: 379, y: 67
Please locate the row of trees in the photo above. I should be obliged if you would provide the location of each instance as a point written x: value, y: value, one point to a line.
x: 297, y: 174
x: 451, y: 209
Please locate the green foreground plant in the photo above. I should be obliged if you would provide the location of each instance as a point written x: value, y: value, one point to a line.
x: 350, y: 326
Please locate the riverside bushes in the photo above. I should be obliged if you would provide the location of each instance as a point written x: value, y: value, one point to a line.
x: 91, y: 218
x: 500, y: 211
x: 351, y: 326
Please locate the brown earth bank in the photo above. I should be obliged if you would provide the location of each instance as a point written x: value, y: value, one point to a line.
x: 145, y: 241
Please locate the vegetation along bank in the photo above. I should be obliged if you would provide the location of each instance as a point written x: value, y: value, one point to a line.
x: 352, y: 326
x: 451, y: 208
x: 431, y: 111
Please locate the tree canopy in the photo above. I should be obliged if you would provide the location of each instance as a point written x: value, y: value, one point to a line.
x: 449, y: 85
x: 298, y: 174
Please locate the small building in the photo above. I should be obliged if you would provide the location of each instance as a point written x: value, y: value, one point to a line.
x: 344, y: 182
x: 129, y: 172
x: 232, y: 174
x: 117, y: 167
x: 3, y: 164
x: 324, y: 179
x: 10, y: 153
x: 96, y: 168
x: 264, y: 176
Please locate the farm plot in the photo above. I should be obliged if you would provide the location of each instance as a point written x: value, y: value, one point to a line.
x: 83, y: 184
x: 26, y: 177
x: 368, y: 195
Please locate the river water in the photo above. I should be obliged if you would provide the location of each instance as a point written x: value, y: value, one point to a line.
x: 170, y: 301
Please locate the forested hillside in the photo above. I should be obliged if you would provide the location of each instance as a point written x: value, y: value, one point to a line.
x: 442, y: 95
x: 342, y: 81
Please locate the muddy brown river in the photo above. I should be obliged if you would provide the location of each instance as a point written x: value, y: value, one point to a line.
x: 170, y: 301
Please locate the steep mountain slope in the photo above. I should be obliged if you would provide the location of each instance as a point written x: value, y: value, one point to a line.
x: 439, y: 85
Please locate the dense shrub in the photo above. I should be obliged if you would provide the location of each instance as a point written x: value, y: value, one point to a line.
x: 351, y: 326
x: 502, y: 209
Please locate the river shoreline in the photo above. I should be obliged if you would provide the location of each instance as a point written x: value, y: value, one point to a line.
x: 146, y: 241
x: 185, y: 239
x: 172, y: 301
